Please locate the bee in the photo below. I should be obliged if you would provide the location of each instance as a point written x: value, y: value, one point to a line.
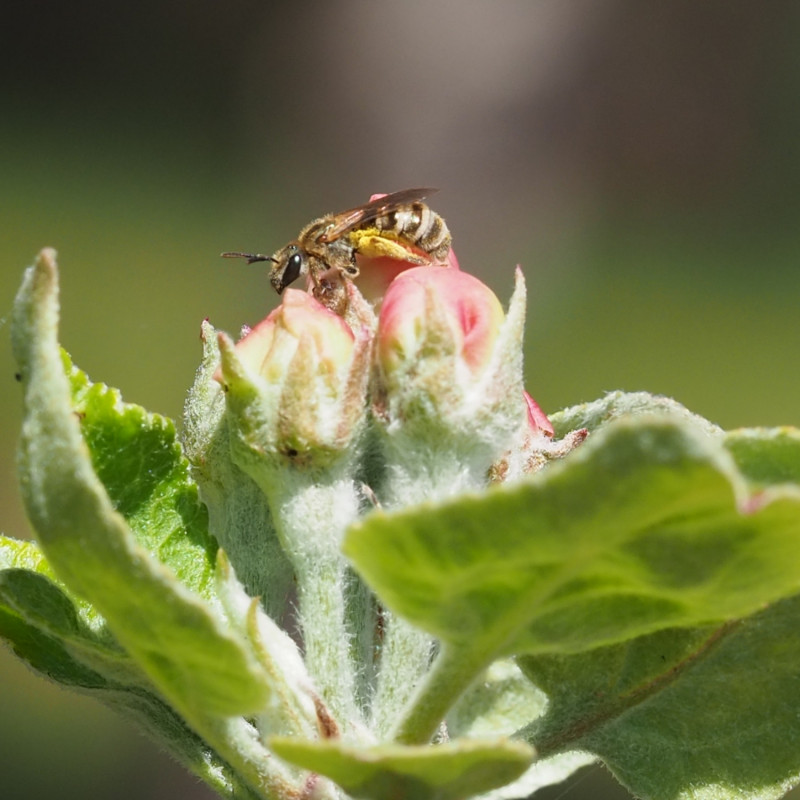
x: 398, y: 226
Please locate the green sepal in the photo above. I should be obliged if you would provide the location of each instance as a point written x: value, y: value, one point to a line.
x: 452, y: 771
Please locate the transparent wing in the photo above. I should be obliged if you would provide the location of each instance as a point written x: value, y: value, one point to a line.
x: 347, y: 220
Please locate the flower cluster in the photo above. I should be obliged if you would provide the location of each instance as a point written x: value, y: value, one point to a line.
x: 436, y: 373
x: 416, y: 394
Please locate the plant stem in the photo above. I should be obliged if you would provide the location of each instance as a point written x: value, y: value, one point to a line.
x: 421, y: 474
x: 418, y: 474
x: 312, y: 510
x: 451, y: 674
x: 404, y: 658
x: 325, y: 636
x: 237, y: 742
x: 363, y: 624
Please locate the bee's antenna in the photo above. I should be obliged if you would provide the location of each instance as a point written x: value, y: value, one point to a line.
x: 251, y: 257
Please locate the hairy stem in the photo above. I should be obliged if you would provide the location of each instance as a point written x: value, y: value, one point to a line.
x: 311, y: 513
x: 404, y: 658
x: 450, y: 676
x: 415, y: 476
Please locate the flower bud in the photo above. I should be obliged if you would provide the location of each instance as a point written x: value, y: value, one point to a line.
x: 449, y: 376
x: 296, y: 382
x: 272, y: 344
x: 430, y: 305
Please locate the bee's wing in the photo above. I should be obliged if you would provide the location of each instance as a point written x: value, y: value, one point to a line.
x: 347, y: 220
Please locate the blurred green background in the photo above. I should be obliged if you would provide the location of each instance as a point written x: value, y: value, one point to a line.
x: 640, y: 161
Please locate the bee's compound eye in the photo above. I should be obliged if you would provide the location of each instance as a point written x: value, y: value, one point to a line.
x: 293, y: 267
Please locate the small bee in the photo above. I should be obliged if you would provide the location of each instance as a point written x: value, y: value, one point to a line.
x: 398, y: 226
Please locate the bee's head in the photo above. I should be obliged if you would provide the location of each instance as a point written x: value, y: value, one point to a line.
x: 289, y: 264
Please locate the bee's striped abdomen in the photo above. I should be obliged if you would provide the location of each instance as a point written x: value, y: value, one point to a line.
x: 418, y: 225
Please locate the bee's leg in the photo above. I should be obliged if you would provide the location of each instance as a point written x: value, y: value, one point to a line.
x: 351, y: 270
x: 440, y: 254
x: 328, y: 287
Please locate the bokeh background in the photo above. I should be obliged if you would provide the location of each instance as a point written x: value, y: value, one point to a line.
x: 639, y: 160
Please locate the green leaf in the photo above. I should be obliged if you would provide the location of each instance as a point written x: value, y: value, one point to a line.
x: 636, y: 531
x: 615, y: 405
x: 704, y: 713
x: 501, y: 701
x: 170, y: 731
x: 177, y: 638
x: 451, y: 771
x: 137, y: 458
x: 766, y: 456
x: 57, y: 635
x: 46, y: 653
x: 48, y: 629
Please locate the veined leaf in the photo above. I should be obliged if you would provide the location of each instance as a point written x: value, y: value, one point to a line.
x: 56, y: 633
x: 638, y: 530
x: 703, y: 713
x: 137, y: 458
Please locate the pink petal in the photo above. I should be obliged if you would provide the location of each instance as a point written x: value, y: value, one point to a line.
x: 537, y: 418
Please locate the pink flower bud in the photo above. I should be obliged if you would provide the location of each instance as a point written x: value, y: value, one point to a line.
x: 296, y: 382
x: 423, y: 298
x: 270, y: 345
x: 448, y: 393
